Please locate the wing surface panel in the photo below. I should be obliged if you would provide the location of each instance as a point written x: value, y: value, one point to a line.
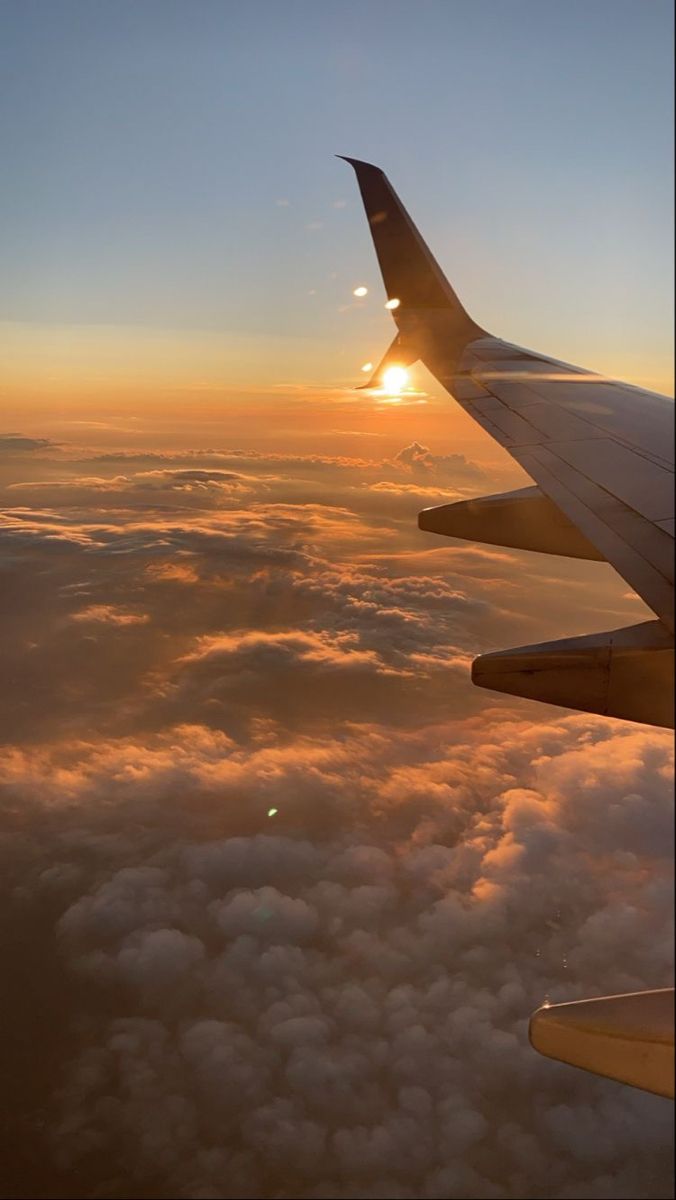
x: 617, y: 490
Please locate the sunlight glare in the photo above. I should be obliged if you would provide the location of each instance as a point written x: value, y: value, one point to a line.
x: 395, y: 379
x: 393, y: 303
x: 360, y: 291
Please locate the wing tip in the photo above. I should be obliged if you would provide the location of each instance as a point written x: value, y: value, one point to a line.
x: 358, y: 163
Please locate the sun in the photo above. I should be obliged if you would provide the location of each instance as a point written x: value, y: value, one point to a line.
x: 395, y: 379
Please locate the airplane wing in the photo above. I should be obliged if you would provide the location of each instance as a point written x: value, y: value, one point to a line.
x: 601, y: 455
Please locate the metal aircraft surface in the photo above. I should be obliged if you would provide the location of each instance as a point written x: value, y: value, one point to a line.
x: 601, y: 455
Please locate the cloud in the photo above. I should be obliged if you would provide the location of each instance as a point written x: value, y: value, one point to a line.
x: 420, y: 461
x: 339, y: 653
x: 164, y: 469
x: 363, y: 995
x: 17, y: 443
x: 106, y: 614
x: 177, y: 488
x: 330, y: 1000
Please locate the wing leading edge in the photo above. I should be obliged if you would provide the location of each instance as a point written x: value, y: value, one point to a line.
x: 600, y: 454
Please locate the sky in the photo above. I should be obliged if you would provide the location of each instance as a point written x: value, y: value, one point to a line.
x: 172, y: 206
x: 280, y: 888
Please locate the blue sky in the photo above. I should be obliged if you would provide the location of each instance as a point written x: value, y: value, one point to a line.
x: 147, y: 146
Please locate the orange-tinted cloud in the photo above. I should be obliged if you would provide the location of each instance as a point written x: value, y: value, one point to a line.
x: 297, y: 883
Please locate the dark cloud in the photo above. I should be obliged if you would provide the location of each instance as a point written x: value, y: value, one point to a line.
x: 17, y: 443
x: 174, y: 488
x: 420, y: 461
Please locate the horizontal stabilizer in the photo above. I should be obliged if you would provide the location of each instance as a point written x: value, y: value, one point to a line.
x: 629, y: 1038
x: 626, y: 673
x: 524, y: 520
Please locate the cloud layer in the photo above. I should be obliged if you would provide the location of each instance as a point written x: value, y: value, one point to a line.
x: 291, y: 886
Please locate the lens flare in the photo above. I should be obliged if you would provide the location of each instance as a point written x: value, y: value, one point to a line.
x: 393, y: 303
x: 367, y: 367
x: 360, y: 291
x: 395, y: 379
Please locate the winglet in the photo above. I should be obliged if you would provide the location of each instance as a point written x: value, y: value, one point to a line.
x: 358, y: 162
x: 410, y: 272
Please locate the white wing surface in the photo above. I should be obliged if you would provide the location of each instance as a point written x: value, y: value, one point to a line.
x: 603, y: 451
